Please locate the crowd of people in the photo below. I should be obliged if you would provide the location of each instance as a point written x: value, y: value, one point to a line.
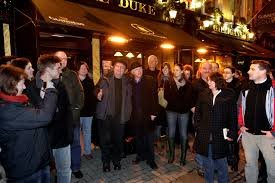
x: 42, y: 116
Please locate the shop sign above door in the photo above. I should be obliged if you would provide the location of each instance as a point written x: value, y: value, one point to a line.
x: 140, y: 7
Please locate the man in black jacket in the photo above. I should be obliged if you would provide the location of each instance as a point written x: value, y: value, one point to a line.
x: 143, y: 114
x: 60, y: 130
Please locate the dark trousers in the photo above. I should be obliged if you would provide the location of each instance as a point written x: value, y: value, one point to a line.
x: 111, y: 134
x: 76, y: 151
x: 145, y: 146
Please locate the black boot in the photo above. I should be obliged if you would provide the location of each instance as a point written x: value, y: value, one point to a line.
x: 171, y: 153
x: 183, y: 152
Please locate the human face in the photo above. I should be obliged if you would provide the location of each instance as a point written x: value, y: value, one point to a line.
x: 63, y: 57
x: 187, y: 74
x: 227, y: 74
x: 29, y: 71
x: 20, y: 87
x: 165, y: 70
x: 119, y: 70
x: 255, y: 74
x: 152, y: 62
x: 177, y: 71
x: 215, y: 67
x: 83, y: 70
x: 137, y: 73
x: 54, y: 72
x: 205, y: 70
x: 211, y: 84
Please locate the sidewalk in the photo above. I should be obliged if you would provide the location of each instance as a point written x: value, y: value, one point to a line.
x: 129, y: 173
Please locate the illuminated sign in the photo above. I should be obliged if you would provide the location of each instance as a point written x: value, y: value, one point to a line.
x: 137, y: 6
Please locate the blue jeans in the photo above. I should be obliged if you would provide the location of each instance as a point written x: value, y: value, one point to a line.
x: 251, y: 145
x: 62, y: 157
x: 86, y: 127
x: 211, y: 164
x: 76, y: 151
x: 41, y: 176
x: 182, y: 119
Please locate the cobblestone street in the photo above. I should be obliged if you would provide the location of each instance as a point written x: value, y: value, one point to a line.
x: 129, y: 173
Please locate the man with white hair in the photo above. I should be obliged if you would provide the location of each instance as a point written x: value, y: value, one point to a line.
x: 152, y: 67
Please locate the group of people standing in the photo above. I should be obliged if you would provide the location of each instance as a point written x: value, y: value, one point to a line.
x: 42, y: 116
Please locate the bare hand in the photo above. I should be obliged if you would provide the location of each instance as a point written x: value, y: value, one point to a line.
x: 99, y: 95
x: 193, y: 109
x: 243, y: 129
x: 267, y: 134
x: 229, y: 139
x: 153, y: 117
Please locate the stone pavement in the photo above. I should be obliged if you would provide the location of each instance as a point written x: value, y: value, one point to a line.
x: 129, y: 173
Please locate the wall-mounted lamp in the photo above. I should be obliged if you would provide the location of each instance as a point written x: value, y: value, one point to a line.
x: 130, y: 55
x: 167, y: 46
x: 139, y: 56
x: 202, y: 51
x: 118, y: 54
x: 173, y: 13
x: 117, y: 39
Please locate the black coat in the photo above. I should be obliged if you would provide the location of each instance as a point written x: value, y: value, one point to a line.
x: 141, y: 121
x: 211, y: 119
x: 61, y: 128
x: 179, y: 100
x: 90, y: 100
x: 23, y: 136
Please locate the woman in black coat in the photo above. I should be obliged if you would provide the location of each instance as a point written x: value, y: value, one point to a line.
x: 25, y: 150
x: 216, y: 112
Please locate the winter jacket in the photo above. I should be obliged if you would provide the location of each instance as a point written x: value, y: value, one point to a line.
x: 211, y: 119
x: 23, y: 135
x: 179, y: 100
x: 61, y: 128
x: 75, y: 93
x: 106, y: 107
x: 89, y: 98
x: 247, y: 118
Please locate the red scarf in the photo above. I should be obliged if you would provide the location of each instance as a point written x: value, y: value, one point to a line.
x: 11, y: 98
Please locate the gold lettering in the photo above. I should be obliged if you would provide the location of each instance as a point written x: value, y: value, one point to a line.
x: 142, y: 8
x: 152, y: 10
x: 124, y: 3
x: 135, y: 5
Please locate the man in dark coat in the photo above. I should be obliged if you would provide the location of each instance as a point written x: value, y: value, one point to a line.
x: 113, y: 111
x: 144, y: 114
x: 60, y: 130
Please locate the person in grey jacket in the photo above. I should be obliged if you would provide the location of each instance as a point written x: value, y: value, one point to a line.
x: 113, y: 111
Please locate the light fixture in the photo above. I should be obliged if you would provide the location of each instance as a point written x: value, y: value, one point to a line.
x: 173, y: 13
x: 57, y: 35
x: 251, y: 35
x: 130, y: 55
x: 202, y: 50
x: 167, y: 46
x: 118, y: 54
x: 139, y: 56
x: 117, y: 39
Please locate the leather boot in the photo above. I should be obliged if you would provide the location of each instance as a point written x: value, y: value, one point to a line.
x: 171, y: 153
x: 183, y: 148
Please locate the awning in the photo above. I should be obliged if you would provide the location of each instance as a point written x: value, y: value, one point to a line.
x: 112, y: 23
x: 228, y: 44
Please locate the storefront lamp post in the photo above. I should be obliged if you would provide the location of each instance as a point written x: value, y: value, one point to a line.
x: 173, y: 14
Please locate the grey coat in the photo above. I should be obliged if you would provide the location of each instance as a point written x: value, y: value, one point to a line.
x: 106, y: 107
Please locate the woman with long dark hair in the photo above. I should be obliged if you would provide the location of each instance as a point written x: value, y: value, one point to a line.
x: 179, y: 94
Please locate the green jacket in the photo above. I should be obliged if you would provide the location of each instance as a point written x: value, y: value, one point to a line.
x: 75, y: 92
